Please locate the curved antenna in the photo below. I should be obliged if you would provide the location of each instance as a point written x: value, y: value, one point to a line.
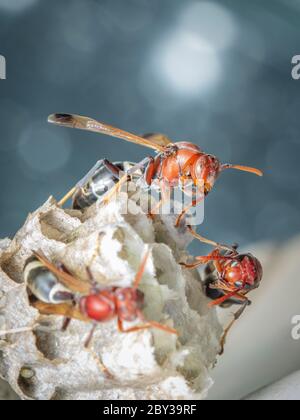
x: 140, y: 272
x: 254, y: 171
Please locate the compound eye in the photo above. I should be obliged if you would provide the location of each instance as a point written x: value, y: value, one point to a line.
x: 238, y: 284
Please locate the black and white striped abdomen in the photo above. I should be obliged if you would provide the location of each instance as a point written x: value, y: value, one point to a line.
x: 43, y: 284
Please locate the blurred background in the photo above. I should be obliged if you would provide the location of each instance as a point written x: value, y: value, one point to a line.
x: 217, y: 73
x: 214, y: 72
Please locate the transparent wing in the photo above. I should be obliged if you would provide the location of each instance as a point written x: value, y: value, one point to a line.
x: 158, y: 138
x: 74, y: 284
x: 62, y: 309
x: 89, y: 124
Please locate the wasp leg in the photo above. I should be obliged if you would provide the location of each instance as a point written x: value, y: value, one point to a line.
x: 88, y: 341
x: 228, y: 295
x: 80, y: 184
x: 101, y: 365
x: 191, y: 266
x: 115, y: 189
x: 236, y: 316
x: 209, y: 241
x: 186, y: 209
x: 66, y: 324
x: 123, y: 179
x: 103, y: 162
x: 165, y: 197
x: 95, y: 286
x: 99, y: 362
x: 214, y: 256
x: 67, y: 197
x: 141, y: 165
x: 67, y: 319
x: 17, y: 330
x: 140, y: 272
x: 149, y: 324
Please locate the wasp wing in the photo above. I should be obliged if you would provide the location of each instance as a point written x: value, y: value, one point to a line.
x: 61, y: 309
x: 158, y: 138
x: 74, y: 284
x: 89, y: 124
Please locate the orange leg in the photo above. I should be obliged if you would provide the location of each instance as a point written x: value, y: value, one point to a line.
x: 67, y: 197
x: 115, y: 189
x: 100, y: 364
x: 191, y: 266
x: 213, y: 256
x: 87, y: 345
x: 208, y: 241
x: 236, y: 316
x: 227, y: 296
x: 186, y: 209
x: 139, y: 274
x: 156, y: 209
x: 165, y: 196
x: 149, y: 324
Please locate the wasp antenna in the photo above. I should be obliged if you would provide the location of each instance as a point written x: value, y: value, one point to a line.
x: 141, y: 269
x: 17, y: 330
x: 242, y: 168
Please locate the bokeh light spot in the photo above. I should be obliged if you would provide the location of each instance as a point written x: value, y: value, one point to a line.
x: 186, y: 63
x: 76, y: 25
x: 43, y: 149
x: 275, y: 219
x: 283, y: 163
x: 209, y: 21
x: 16, y: 5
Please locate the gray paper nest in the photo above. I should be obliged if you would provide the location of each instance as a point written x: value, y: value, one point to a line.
x: 47, y: 363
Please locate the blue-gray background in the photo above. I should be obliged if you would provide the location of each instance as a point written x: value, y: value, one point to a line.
x: 217, y: 73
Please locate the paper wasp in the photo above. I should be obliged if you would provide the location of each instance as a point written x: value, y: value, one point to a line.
x: 229, y: 277
x: 55, y: 291
x: 175, y: 164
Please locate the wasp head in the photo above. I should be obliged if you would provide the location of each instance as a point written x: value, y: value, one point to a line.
x: 206, y: 171
x: 243, y: 272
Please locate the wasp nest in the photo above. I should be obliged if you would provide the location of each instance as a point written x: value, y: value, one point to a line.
x: 40, y: 361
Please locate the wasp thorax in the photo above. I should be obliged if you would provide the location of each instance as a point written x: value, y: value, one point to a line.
x: 99, y: 307
x: 129, y: 303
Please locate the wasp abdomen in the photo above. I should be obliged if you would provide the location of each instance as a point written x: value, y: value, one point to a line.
x: 99, y: 183
x: 43, y: 284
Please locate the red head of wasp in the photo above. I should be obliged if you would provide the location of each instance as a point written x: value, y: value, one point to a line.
x: 174, y: 165
x: 229, y: 277
x: 57, y: 292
